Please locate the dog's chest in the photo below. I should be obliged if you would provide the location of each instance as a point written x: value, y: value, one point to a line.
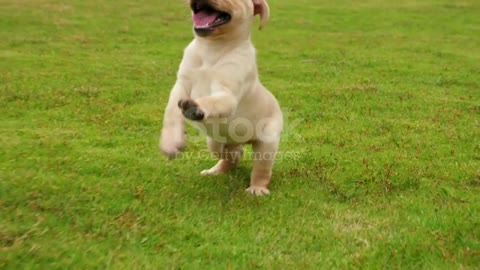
x: 201, y: 79
x: 202, y: 75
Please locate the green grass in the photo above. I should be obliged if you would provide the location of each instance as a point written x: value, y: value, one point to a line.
x: 380, y: 158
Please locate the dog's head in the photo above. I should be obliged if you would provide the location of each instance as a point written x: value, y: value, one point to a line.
x: 213, y: 18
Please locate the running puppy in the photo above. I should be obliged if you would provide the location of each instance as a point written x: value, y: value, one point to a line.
x: 219, y: 91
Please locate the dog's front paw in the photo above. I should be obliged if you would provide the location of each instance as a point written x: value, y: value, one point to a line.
x: 190, y: 109
x: 172, y: 142
x: 258, y: 191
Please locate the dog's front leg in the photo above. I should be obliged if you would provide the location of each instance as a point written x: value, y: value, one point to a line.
x: 220, y: 104
x: 172, y: 139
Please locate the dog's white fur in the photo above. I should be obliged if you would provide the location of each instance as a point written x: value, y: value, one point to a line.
x: 219, y: 73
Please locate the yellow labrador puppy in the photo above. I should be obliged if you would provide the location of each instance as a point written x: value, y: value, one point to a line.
x: 219, y: 91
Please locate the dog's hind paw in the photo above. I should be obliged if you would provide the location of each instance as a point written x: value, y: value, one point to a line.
x: 258, y: 191
x: 209, y: 172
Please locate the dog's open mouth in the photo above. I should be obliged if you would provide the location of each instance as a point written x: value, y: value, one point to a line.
x: 206, y: 19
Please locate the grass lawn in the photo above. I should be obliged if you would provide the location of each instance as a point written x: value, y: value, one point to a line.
x: 379, y: 164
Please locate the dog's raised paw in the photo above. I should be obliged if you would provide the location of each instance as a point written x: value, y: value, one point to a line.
x: 258, y: 191
x: 190, y: 109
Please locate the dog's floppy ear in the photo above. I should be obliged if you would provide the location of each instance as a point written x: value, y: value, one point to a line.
x: 261, y: 7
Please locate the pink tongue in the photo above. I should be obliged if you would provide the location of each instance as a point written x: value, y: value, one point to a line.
x: 202, y: 18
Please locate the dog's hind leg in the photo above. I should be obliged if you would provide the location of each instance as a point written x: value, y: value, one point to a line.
x: 263, y: 159
x: 229, y: 155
